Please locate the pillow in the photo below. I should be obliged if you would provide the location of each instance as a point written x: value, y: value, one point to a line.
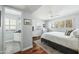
x: 68, y: 32
x: 75, y: 33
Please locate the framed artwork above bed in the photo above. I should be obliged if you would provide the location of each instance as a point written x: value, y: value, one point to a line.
x: 69, y: 23
x: 59, y: 24
x: 63, y: 23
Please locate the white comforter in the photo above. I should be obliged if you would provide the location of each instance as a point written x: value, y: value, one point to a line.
x: 62, y: 39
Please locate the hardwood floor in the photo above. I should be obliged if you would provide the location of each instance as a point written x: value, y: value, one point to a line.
x: 35, y: 50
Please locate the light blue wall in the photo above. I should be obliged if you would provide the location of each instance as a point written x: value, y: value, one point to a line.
x: 26, y: 32
x: 75, y: 22
x: 38, y: 26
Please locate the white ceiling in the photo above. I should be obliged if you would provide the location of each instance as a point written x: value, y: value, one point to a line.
x: 45, y: 12
x: 27, y: 8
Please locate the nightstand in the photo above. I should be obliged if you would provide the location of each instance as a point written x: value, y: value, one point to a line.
x: 36, y: 38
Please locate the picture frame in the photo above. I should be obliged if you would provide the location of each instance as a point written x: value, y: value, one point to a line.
x: 27, y: 21
x: 69, y: 23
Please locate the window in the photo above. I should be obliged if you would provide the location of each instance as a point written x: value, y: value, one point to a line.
x: 12, y: 19
x: 10, y: 24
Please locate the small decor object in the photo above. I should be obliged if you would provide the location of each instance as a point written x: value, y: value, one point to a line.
x: 43, y: 25
x: 32, y: 28
x: 27, y: 21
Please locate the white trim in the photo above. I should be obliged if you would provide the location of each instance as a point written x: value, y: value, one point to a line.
x: 51, y: 51
x: 42, y: 47
x: 27, y: 48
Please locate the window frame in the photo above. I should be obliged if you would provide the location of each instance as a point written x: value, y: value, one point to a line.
x: 9, y: 28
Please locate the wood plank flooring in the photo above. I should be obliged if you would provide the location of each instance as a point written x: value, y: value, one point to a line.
x: 35, y: 50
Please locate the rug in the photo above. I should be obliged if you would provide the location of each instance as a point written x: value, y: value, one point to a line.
x: 35, y: 50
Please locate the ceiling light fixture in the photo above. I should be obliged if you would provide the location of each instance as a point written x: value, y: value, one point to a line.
x: 50, y: 12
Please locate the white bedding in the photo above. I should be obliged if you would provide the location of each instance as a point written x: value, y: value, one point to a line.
x: 62, y: 39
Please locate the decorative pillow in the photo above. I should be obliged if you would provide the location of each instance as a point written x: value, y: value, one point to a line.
x: 68, y: 32
x: 75, y: 33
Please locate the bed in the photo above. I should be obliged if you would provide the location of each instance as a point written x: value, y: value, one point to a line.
x: 60, y: 41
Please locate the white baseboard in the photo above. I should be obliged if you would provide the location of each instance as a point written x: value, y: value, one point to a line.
x: 1, y: 52
x: 27, y: 48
